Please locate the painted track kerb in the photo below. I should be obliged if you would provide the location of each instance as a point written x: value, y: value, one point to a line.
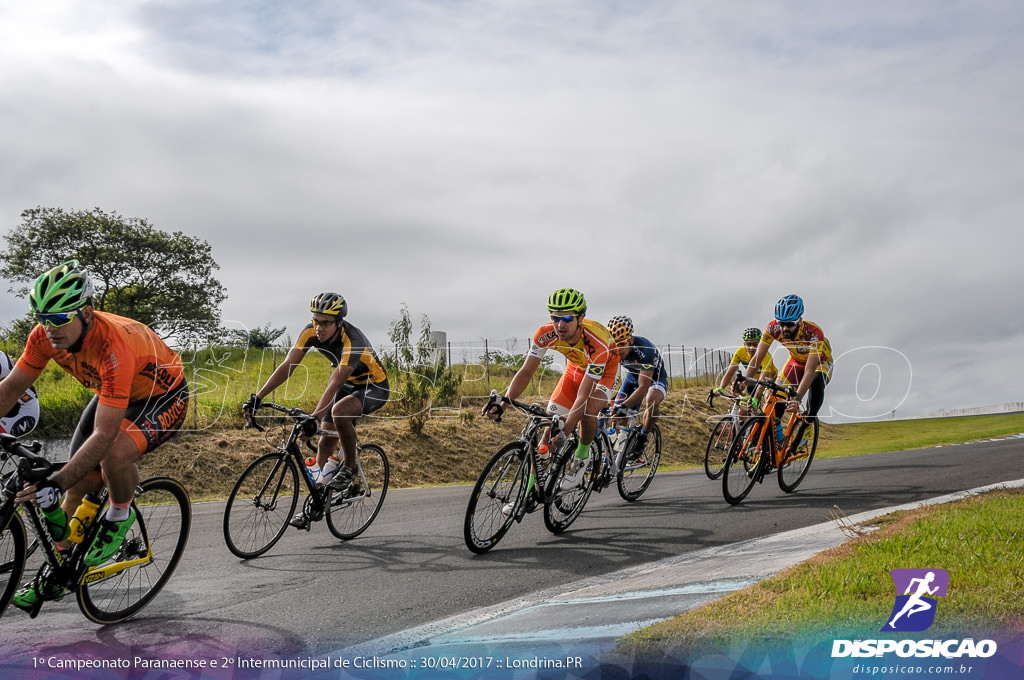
x: 687, y: 580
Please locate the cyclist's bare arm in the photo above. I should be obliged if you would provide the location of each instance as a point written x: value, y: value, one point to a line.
x: 12, y: 387
x: 643, y: 383
x: 99, y: 444
x: 282, y: 372
x: 520, y: 381
x: 728, y: 377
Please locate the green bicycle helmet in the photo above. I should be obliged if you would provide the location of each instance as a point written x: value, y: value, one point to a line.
x: 567, y: 300
x: 329, y: 303
x: 65, y: 288
x: 752, y: 334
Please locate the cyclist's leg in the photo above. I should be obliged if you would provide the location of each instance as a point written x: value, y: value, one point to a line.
x: 352, y: 403
x: 561, y: 400
x: 145, y: 426
x: 816, y: 395
x: 655, y: 395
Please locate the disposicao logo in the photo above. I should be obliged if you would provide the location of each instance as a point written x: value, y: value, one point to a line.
x: 914, y: 609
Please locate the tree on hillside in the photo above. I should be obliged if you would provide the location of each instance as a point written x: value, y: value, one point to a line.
x: 262, y: 337
x: 163, y: 280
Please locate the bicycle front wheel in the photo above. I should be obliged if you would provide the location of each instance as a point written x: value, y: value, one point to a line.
x: 747, y: 456
x: 260, y: 505
x: 351, y: 511
x: 640, y: 466
x: 497, y: 496
x: 119, y: 589
x: 719, y: 444
x: 12, y: 556
x: 568, y: 499
x: 797, y: 459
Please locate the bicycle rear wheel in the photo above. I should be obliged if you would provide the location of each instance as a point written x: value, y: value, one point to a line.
x: 142, y: 566
x: 639, y: 472
x: 351, y: 511
x: 260, y: 505
x: 497, y: 496
x: 12, y: 556
x: 566, y: 504
x: 719, y: 444
x: 747, y: 456
x: 797, y: 459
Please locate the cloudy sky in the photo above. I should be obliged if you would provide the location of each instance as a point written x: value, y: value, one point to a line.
x: 686, y: 164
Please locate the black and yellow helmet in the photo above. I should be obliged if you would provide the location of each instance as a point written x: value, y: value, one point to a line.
x: 621, y: 328
x: 567, y: 300
x: 64, y: 288
x: 329, y: 303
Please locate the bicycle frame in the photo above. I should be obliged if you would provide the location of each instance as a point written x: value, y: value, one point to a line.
x: 537, y: 418
x: 66, y: 568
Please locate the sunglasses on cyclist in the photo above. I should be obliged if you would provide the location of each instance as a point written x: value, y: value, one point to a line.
x: 56, y: 320
x: 328, y: 322
x: 788, y: 324
x: 564, y: 319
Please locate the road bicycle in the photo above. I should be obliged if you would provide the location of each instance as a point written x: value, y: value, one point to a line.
x: 108, y: 593
x: 757, y: 451
x: 266, y: 494
x: 722, y: 436
x: 518, y: 480
x: 631, y: 467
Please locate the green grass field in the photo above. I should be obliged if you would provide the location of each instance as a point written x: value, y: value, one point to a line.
x: 853, y: 439
x: 847, y: 590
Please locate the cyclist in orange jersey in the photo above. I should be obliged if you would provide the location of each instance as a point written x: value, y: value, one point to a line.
x: 141, y: 401
x: 809, y: 366
x: 591, y: 366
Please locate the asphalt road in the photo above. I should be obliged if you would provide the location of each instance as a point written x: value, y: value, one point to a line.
x: 312, y: 593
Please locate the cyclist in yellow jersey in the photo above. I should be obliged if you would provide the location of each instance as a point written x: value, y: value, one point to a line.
x: 357, y: 387
x: 741, y: 359
x: 586, y: 386
x: 809, y: 366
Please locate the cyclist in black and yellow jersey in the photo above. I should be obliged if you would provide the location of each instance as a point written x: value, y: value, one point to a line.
x: 357, y: 387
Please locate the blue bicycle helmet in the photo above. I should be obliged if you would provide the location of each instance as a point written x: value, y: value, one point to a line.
x: 789, y: 308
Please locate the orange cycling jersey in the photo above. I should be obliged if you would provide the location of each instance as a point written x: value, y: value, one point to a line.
x: 742, y: 358
x: 592, y: 352
x: 810, y: 339
x: 122, y: 360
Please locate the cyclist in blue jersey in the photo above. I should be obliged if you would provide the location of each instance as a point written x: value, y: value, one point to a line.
x: 645, y: 373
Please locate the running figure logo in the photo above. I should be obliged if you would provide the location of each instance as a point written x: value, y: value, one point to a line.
x: 915, y: 609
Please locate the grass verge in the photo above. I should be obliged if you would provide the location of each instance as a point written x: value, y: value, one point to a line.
x: 847, y: 590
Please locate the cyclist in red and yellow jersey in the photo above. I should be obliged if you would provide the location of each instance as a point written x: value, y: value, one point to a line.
x: 141, y: 401
x: 809, y: 366
x: 591, y: 366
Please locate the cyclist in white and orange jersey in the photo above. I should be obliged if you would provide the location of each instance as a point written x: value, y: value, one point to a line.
x: 590, y: 371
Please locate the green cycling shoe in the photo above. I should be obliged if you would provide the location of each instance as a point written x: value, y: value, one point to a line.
x: 109, y: 539
x: 35, y: 591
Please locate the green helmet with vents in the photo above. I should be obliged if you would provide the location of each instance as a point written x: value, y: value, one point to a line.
x: 752, y: 334
x: 567, y: 300
x: 64, y: 288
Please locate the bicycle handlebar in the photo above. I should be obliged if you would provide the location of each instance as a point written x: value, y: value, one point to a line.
x: 31, y: 465
x: 535, y: 410
x: 789, y: 390
x: 250, y: 419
